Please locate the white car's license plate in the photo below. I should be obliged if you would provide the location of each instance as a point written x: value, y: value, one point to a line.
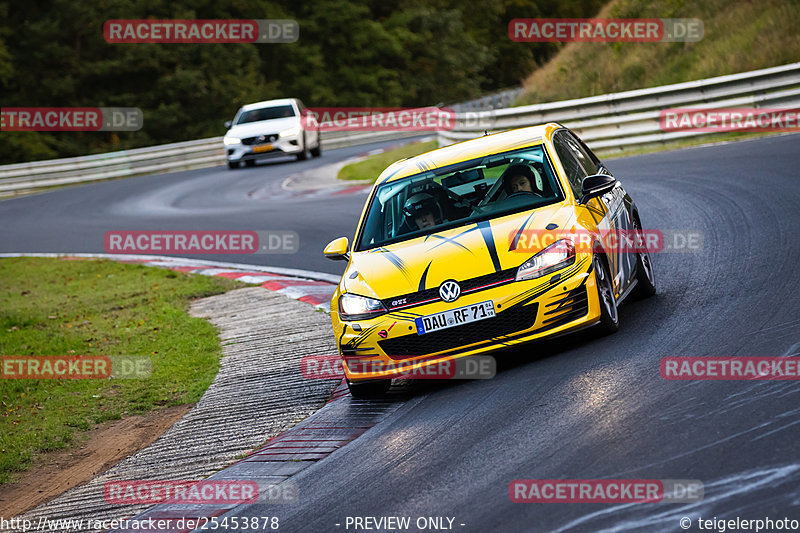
x: 455, y: 317
x: 262, y: 148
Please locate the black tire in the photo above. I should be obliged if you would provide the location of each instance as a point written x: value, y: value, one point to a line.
x: 250, y: 163
x: 645, y: 274
x: 609, y: 317
x: 302, y: 156
x: 317, y: 150
x: 233, y: 165
x: 369, y: 390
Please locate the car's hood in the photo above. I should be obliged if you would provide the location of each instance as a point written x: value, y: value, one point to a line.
x: 459, y: 253
x: 263, y: 127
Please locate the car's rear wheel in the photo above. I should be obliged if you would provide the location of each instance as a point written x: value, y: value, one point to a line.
x: 233, y: 165
x: 645, y: 275
x: 609, y: 318
x: 250, y: 163
x: 366, y: 390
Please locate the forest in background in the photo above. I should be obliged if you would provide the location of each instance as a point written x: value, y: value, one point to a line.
x: 350, y: 53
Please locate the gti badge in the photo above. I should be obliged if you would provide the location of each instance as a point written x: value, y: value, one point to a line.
x: 449, y: 291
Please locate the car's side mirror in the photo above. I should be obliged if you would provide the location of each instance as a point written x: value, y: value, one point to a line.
x: 597, y: 185
x: 228, y: 124
x: 337, y: 249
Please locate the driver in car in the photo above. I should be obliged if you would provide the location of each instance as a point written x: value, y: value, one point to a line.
x: 519, y: 179
x: 422, y: 211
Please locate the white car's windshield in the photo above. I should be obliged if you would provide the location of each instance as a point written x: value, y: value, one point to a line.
x: 452, y: 196
x: 266, y: 113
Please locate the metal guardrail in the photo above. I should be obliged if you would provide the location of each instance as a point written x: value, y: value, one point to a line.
x: 140, y: 161
x: 496, y: 100
x: 612, y: 122
x: 607, y: 123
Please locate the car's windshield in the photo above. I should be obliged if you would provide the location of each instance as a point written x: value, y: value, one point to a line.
x: 452, y: 196
x: 266, y: 113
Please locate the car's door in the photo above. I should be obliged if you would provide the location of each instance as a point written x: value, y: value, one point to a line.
x: 617, y: 213
x: 604, y: 210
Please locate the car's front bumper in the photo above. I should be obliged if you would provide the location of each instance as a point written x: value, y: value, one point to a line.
x: 282, y: 146
x: 388, y: 346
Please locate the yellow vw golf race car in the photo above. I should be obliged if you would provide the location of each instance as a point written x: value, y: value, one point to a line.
x: 482, y: 245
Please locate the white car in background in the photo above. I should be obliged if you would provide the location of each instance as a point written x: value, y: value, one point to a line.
x: 268, y: 129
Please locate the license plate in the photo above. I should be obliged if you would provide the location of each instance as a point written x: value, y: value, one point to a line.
x: 455, y: 317
x: 262, y: 148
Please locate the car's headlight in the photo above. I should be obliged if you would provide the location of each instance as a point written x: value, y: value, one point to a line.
x: 230, y: 141
x: 554, y: 257
x: 355, y: 307
x: 290, y: 133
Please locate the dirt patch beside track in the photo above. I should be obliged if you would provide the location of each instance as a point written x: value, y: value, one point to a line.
x: 109, y: 443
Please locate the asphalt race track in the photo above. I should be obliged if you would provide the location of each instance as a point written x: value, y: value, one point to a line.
x: 75, y: 219
x: 578, y: 407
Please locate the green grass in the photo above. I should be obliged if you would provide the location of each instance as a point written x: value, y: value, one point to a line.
x: 62, y: 307
x: 371, y: 167
x: 738, y: 36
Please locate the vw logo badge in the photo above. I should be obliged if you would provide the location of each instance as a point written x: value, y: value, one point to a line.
x: 449, y: 291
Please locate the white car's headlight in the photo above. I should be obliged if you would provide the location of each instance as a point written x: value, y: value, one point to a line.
x: 290, y: 132
x: 355, y: 307
x: 230, y: 141
x: 554, y: 257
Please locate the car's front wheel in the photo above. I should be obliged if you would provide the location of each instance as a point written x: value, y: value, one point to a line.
x: 233, y: 165
x: 366, y: 390
x: 302, y: 156
x: 609, y: 318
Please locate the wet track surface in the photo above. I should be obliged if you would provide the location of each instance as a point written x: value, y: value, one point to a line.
x: 574, y: 408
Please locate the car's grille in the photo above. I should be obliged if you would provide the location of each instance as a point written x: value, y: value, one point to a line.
x: 511, y: 321
x: 571, y: 306
x: 260, y: 139
x: 468, y: 285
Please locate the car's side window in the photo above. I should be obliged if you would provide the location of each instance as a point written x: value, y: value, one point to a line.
x: 574, y: 170
x: 590, y: 164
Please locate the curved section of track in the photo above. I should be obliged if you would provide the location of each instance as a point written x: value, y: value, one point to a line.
x: 576, y: 407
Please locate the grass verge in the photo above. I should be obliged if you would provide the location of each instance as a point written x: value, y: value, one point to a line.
x: 89, y: 307
x: 371, y: 167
